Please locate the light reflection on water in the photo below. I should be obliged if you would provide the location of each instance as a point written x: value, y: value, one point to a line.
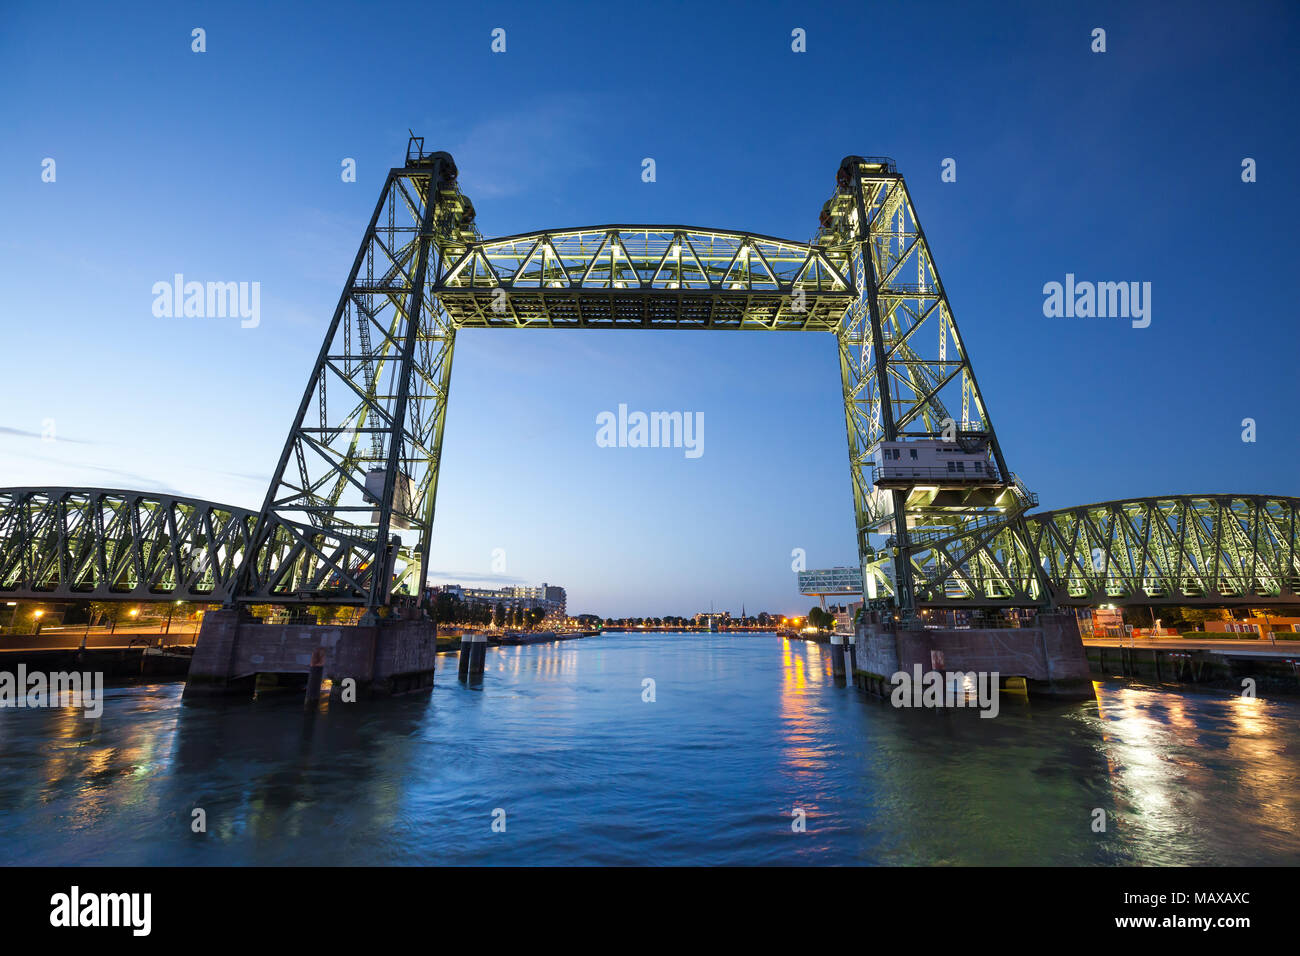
x: 743, y: 730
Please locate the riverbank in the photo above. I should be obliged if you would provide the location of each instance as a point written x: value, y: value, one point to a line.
x: 1251, y: 669
x: 450, y: 643
x: 172, y: 661
x: 115, y: 663
x: 813, y: 637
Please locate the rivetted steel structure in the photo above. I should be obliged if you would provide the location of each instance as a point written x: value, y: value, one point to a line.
x: 349, y: 513
x: 66, y: 543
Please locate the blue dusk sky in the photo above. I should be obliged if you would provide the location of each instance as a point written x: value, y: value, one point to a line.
x: 225, y: 166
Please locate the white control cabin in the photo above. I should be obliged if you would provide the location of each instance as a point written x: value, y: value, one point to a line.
x: 403, y: 492
x: 930, y: 462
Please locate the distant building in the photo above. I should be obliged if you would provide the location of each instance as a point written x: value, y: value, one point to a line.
x: 844, y: 615
x: 831, y: 581
x: 702, y: 618
x: 553, y: 599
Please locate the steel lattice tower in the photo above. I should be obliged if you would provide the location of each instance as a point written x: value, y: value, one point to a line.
x: 362, y: 457
x: 907, y: 376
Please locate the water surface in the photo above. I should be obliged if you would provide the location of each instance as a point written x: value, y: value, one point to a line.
x: 743, y: 730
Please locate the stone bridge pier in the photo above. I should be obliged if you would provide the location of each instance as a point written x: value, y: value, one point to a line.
x: 387, y: 658
x: 1049, y: 654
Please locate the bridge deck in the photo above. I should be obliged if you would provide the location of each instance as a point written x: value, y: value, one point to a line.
x: 644, y: 276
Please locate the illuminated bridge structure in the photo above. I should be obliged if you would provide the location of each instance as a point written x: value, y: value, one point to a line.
x: 348, y: 517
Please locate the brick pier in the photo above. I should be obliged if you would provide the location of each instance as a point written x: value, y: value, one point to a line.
x: 392, y: 657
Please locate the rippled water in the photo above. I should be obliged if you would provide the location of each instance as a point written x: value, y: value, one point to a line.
x: 744, y: 729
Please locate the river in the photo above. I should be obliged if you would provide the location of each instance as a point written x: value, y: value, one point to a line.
x: 560, y: 748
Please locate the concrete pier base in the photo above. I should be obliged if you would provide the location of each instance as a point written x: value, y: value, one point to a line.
x: 315, y: 678
x: 466, y: 655
x: 478, y: 655
x: 382, y: 658
x: 1049, y: 654
x: 837, y: 655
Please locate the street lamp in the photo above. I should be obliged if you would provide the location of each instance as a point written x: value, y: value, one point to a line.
x: 86, y: 633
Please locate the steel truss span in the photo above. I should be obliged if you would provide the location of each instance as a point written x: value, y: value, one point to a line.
x: 104, y: 544
x: 1188, y: 549
x: 1214, y: 550
x: 348, y: 516
x: 659, y: 277
x: 1220, y: 550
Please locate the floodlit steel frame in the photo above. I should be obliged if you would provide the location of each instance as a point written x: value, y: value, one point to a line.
x: 103, y: 544
x: 1215, y: 550
x: 662, y: 277
x: 359, y: 468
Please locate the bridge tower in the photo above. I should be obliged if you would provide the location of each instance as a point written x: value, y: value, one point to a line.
x: 928, y: 471
x: 360, y: 463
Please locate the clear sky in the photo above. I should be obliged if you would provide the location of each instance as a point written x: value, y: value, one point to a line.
x: 225, y: 166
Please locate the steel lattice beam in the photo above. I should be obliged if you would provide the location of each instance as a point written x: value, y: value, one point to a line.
x: 629, y: 276
x: 1186, y: 549
x: 103, y: 544
x: 1213, y: 550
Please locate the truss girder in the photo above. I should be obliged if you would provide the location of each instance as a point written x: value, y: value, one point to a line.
x: 1188, y: 549
x: 105, y: 544
x: 1212, y: 550
x: 637, y: 276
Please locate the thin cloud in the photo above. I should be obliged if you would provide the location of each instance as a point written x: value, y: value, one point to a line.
x: 24, y: 433
x: 138, y: 482
x: 239, y: 474
x: 528, y: 148
x: 475, y: 576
